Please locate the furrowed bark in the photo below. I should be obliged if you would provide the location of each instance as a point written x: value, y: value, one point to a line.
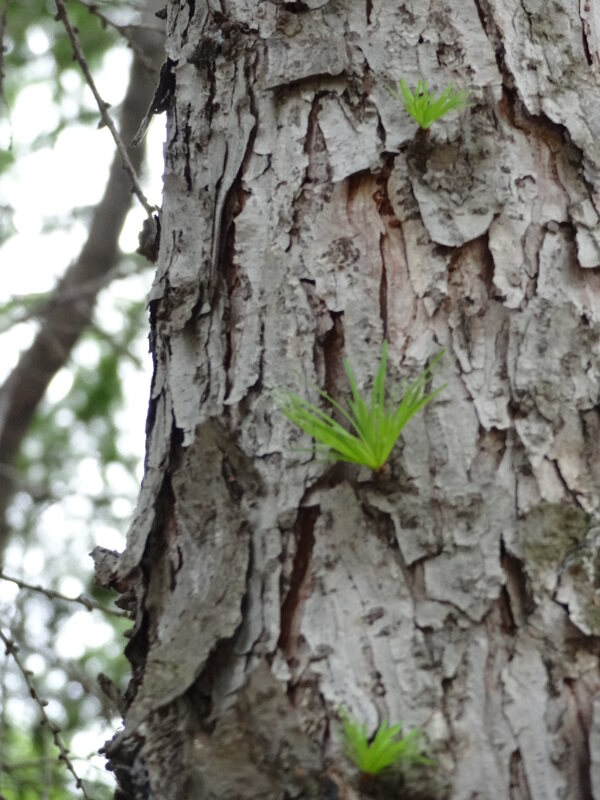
x: 304, y: 220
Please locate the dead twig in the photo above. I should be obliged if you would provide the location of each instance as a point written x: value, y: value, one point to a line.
x: 53, y: 595
x: 12, y: 649
x: 62, y: 16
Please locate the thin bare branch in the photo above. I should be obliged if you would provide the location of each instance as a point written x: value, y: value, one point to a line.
x: 126, y: 31
x: 12, y: 649
x: 53, y: 595
x: 102, y: 106
x: 110, y: 703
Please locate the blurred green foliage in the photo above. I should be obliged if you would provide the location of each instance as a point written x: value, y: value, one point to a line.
x: 22, y: 66
x: 26, y: 16
x: 29, y: 770
x: 84, y: 427
x: 77, y: 470
x: 24, y: 757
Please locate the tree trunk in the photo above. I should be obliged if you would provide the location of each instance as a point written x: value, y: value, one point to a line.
x: 304, y: 221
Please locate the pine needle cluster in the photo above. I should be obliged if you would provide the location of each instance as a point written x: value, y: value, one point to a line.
x: 424, y: 107
x: 376, y: 426
x: 388, y: 748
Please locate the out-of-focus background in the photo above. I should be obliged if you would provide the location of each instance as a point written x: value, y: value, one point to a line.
x: 73, y: 480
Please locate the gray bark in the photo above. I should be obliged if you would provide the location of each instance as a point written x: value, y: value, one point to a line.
x: 304, y: 221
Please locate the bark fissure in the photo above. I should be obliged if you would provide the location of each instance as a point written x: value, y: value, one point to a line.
x: 570, y: 491
x: 519, y: 787
x: 187, y: 131
x: 300, y: 581
x: 333, y: 345
x: 519, y: 596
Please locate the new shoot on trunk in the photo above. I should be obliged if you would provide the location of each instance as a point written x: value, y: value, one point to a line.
x: 375, y: 426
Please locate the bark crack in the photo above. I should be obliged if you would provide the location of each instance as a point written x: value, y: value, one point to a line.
x: 300, y: 580
x: 333, y: 344
x: 187, y: 132
x: 314, y: 144
x: 520, y: 602
x: 586, y: 45
x: 571, y: 492
x: 519, y: 786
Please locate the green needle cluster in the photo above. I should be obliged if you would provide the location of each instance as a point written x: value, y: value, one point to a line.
x: 375, y: 426
x: 386, y: 749
x: 424, y: 107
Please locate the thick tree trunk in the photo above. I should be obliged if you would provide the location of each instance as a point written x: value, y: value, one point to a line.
x: 304, y: 221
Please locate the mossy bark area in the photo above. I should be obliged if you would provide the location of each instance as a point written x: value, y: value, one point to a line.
x: 561, y: 549
x: 305, y: 220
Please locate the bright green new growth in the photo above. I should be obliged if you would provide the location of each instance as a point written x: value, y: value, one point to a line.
x: 376, y: 426
x: 424, y: 107
x: 388, y: 747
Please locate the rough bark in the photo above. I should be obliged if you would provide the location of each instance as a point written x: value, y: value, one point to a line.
x: 303, y: 221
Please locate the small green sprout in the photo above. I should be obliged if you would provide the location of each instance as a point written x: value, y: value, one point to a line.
x: 424, y: 107
x: 388, y: 748
x: 377, y: 427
